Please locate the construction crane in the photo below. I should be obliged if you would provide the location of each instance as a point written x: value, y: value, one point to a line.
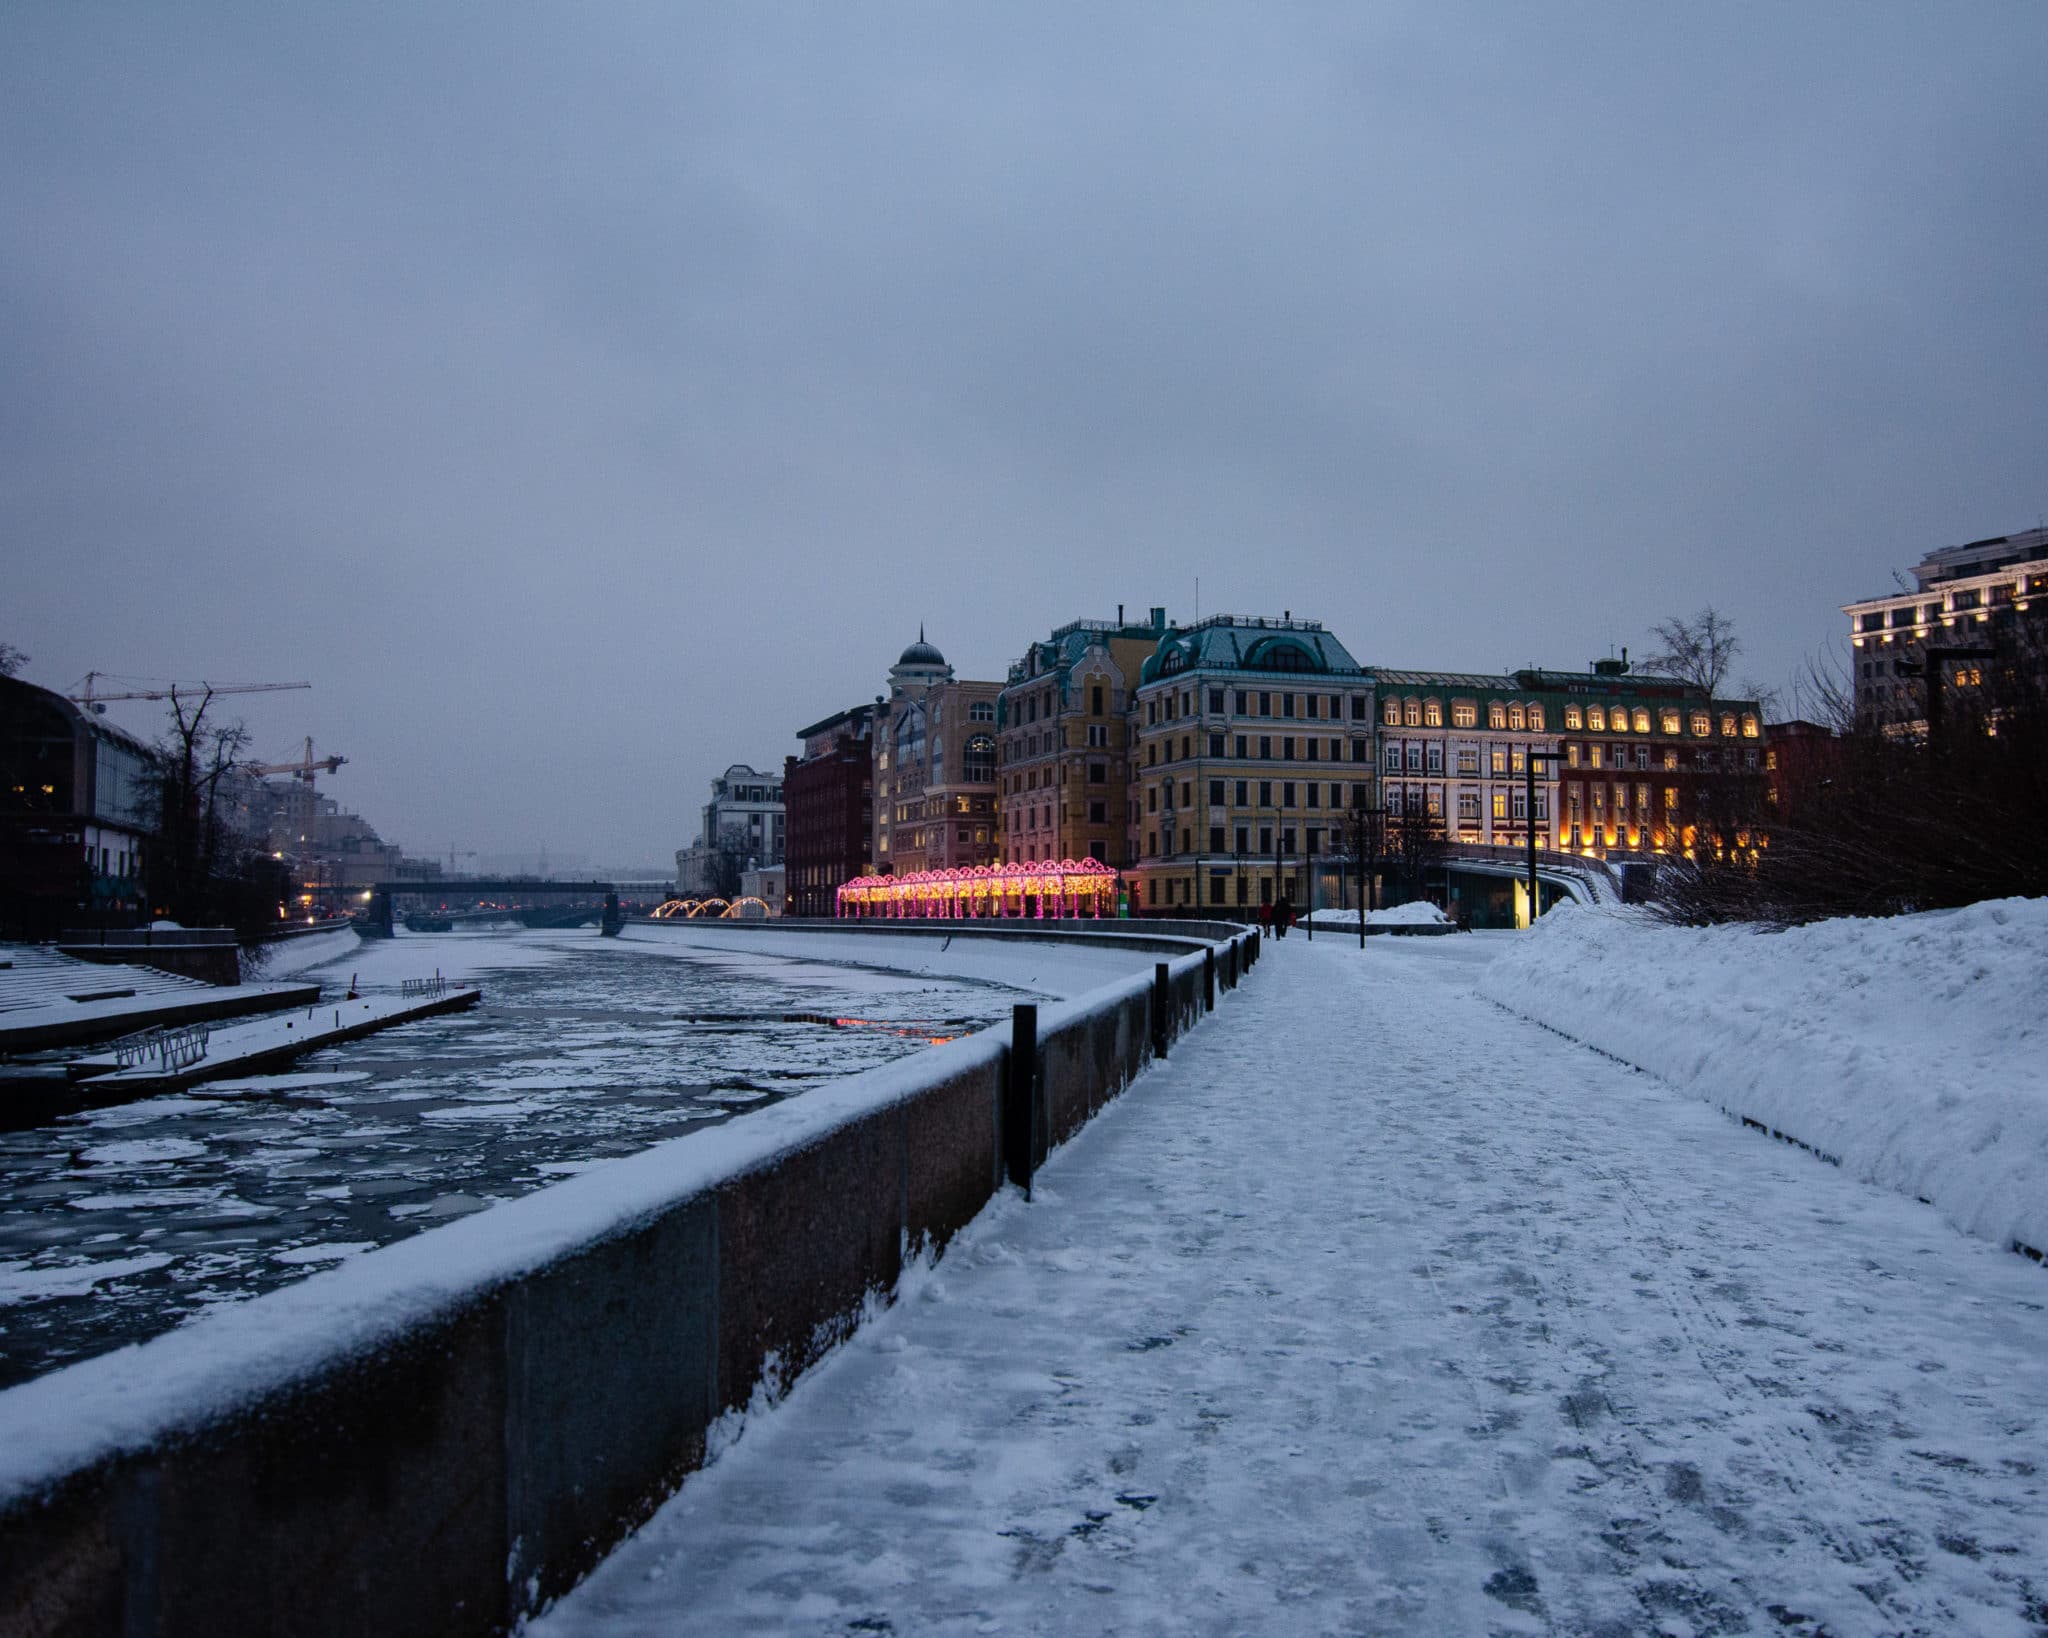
x: 301, y: 770
x: 97, y: 702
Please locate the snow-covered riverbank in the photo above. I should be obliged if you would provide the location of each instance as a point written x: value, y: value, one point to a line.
x: 1910, y: 1049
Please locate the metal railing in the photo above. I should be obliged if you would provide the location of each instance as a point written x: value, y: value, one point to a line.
x: 423, y: 987
x: 164, y: 1049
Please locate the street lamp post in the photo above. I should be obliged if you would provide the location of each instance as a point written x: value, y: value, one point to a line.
x: 1529, y: 768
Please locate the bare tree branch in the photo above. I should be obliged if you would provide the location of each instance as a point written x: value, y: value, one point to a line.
x: 1698, y: 651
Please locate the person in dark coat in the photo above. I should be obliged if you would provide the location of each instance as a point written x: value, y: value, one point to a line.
x: 1283, y: 915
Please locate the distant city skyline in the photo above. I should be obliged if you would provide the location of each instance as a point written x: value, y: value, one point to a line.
x: 583, y: 400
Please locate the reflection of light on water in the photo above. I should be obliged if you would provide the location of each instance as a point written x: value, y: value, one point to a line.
x: 910, y: 1032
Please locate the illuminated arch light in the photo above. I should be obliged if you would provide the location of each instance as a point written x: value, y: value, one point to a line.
x: 703, y: 908
x: 1063, y: 887
x: 737, y: 910
x: 669, y: 909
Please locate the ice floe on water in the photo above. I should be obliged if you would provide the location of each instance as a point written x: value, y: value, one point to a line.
x: 119, y: 1222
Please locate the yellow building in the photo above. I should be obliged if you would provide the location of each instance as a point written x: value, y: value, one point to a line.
x: 1064, y: 743
x: 934, y: 752
x: 1251, y: 740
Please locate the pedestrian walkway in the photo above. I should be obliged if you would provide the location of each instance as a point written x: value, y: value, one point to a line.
x: 1379, y: 1310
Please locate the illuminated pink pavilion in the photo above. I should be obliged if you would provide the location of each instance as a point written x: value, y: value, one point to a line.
x: 1048, y: 888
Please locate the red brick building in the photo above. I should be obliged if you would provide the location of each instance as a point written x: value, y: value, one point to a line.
x: 828, y: 804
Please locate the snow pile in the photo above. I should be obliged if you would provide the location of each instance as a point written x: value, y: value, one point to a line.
x: 1910, y: 1049
x: 1419, y: 913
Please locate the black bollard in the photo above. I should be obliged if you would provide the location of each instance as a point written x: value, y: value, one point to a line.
x: 1209, y: 979
x: 1162, y: 1001
x: 1020, y: 1097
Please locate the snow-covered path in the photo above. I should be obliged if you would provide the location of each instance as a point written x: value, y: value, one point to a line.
x: 1379, y: 1310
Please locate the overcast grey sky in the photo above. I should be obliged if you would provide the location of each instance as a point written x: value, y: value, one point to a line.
x: 586, y: 396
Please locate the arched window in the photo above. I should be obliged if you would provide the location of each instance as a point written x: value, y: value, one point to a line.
x: 978, y: 766
x: 1433, y: 712
x: 1536, y: 719
x: 1390, y: 713
x: 1411, y: 712
x: 1515, y: 716
x: 1277, y: 654
x: 1496, y: 714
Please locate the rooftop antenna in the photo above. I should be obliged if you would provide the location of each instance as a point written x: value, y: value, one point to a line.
x: 1198, y: 600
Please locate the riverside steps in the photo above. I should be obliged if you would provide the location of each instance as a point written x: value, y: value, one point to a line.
x: 49, y: 1000
x: 444, y: 1434
x: 1375, y: 1308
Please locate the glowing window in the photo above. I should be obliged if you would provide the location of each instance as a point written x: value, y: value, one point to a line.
x: 1536, y: 719
x: 1411, y: 713
x: 1433, y: 713
x: 1573, y: 717
x: 1642, y: 720
x: 1517, y: 718
x: 1496, y: 714
x: 1596, y: 719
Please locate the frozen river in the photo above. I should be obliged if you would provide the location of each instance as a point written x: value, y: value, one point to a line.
x: 118, y: 1223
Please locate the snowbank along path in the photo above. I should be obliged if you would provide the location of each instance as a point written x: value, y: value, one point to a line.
x: 1378, y: 1309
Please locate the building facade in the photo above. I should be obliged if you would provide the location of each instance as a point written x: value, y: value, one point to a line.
x: 934, y: 750
x: 1650, y: 764
x: 828, y: 795
x: 1989, y: 595
x: 742, y: 821
x: 1455, y: 751
x: 1063, y: 743
x: 1251, y: 738
x: 77, y: 813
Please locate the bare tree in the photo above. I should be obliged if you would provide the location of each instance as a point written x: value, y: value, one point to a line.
x: 1885, y: 822
x: 194, y: 843
x: 1699, y: 651
x: 11, y: 659
x: 727, y: 864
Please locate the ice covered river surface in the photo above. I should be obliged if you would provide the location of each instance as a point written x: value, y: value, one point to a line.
x: 118, y: 1223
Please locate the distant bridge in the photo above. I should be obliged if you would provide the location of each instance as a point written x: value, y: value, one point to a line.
x: 460, y: 896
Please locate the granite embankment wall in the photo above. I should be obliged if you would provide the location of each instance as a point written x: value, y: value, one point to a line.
x: 440, y: 1436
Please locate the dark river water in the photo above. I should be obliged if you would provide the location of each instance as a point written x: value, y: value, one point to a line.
x: 119, y: 1223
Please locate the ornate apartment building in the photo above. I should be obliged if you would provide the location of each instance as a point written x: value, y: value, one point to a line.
x: 1648, y: 762
x: 1990, y: 595
x: 745, y: 817
x: 1251, y: 737
x: 1063, y: 742
x: 1455, y: 748
x: 934, y: 749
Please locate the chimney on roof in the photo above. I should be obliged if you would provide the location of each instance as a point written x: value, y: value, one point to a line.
x: 1158, y: 619
x: 1119, y: 614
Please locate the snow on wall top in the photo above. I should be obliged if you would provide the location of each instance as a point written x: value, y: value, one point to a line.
x: 230, y: 1356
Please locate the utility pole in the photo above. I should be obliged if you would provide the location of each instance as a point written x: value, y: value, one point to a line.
x: 1532, y: 757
